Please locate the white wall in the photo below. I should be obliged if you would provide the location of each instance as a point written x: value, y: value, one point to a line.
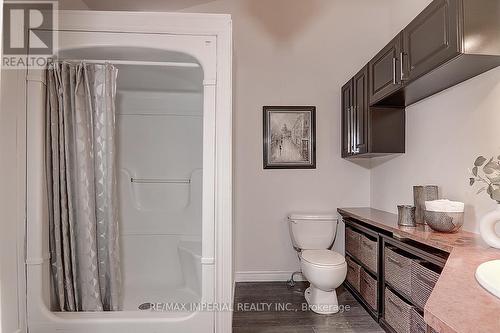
x: 293, y: 52
x: 445, y: 133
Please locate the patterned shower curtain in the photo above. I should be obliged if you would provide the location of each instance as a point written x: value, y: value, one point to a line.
x: 82, y: 189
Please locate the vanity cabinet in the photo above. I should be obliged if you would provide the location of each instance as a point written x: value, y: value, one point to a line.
x: 430, y: 39
x: 390, y: 277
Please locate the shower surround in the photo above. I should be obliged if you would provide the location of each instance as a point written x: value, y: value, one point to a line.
x: 173, y: 174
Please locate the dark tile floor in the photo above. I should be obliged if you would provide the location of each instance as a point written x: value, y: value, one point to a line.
x: 271, y: 307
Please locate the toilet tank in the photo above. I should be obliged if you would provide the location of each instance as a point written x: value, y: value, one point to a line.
x: 312, y: 231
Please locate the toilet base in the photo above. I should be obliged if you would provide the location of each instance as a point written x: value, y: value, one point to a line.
x: 322, y: 302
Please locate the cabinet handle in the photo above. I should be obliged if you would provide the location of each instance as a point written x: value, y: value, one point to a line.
x: 355, y: 139
x: 401, y: 67
x: 394, y: 261
x: 394, y: 80
x: 395, y: 305
x: 349, y: 131
x: 423, y: 278
x: 368, y: 245
x: 352, y: 131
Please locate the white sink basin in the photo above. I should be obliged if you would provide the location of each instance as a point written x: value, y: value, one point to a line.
x: 488, y: 276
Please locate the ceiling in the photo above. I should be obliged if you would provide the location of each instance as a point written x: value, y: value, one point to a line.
x: 143, y: 5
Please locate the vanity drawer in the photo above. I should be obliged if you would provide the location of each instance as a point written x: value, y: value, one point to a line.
x: 423, y: 280
x: 418, y: 325
x: 353, y: 273
x: 368, y: 289
x: 352, y: 242
x: 397, y: 270
x: 397, y: 313
x: 368, y: 252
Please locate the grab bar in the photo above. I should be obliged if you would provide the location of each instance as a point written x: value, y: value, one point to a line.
x: 159, y: 181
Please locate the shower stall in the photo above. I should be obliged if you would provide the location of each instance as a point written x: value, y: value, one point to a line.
x: 173, y: 172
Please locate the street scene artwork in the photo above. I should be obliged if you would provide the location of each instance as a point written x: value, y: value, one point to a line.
x: 289, y: 138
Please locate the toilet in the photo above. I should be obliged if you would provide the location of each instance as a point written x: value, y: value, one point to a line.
x: 312, y: 236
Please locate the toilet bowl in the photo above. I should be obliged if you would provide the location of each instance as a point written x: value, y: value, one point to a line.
x: 312, y: 236
x: 325, y: 270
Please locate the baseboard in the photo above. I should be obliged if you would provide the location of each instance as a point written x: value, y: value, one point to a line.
x: 266, y: 276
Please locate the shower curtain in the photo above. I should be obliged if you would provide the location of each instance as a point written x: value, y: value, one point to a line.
x: 81, y: 182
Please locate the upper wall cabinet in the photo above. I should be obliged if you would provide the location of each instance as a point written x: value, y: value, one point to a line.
x: 369, y: 131
x: 360, y: 84
x: 347, y: 119
x: 449, y: 42
x: 385, y: 71
x: 355, y: 115
x: 430, y: 39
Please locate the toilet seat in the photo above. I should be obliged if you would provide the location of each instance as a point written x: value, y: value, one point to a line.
x: 323, y: 258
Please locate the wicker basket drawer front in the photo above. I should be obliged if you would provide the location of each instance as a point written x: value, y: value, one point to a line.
x: 352, y: 240
x: 418, y: 325
x: 397, y: 313
x: 368, y: 253
x: 368, y: 289
x: 423, y: 281
x: 398, y: 271
x: 353, y: 273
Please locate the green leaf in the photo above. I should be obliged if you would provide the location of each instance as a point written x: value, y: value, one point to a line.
x: 474, y: 171
x: 480, y: 161
x: 472, y: 181
x: 481, y: 190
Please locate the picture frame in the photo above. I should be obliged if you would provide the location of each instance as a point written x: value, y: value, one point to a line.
x: 289, y: 137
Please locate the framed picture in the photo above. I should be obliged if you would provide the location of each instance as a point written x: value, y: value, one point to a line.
x: 289, y: 137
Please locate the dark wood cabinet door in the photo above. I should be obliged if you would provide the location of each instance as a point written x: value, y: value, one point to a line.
x: 385, y: 71
x: 431, y: 39
x: 360, y: 106
x: 347, y: 119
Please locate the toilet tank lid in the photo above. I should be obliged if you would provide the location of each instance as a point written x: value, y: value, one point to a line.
x: 315, y: 217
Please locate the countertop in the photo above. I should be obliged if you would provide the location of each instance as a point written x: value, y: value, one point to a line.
x: 458, y: 304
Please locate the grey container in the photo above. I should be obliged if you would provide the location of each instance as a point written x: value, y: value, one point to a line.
x: 397, y: 271
x: 406, y: 215
x: 353, y: 273
x: 423, y: 280
x: 368, y: 251
x: 368, y: 289
x: 397, y: 313
x: 421, y: 194
x: 444, y: 221
x: 352, y: 242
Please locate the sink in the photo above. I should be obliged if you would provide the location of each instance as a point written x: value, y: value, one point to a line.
x: 488, y: 276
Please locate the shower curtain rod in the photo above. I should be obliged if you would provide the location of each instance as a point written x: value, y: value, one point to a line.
x: 141, y: 63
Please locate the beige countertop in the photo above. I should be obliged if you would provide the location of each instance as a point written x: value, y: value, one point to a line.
x: 458, y: 304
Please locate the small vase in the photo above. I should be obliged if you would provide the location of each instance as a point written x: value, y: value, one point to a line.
x: 487, y: 227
